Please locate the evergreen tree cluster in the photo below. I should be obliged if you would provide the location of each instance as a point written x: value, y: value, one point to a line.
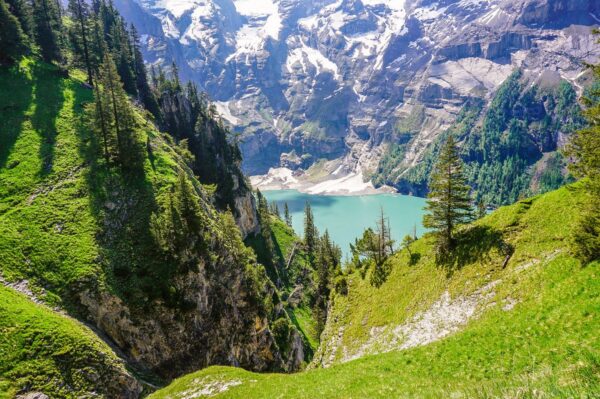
x: 315, y: 262
x: 372, y: 250
x: 187, y: 114
x: 81, y: 41
x: 324, y: 257
x: 584, y: 149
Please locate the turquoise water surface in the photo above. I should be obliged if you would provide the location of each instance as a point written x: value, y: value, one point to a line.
x: 347, y: 216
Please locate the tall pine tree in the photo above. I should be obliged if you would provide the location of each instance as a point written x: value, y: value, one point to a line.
x: 48, y: 29
x: 311, y: 236
x: 12, y: 39
x: 449, y: 199
x: 114, y: 118
x: 145, y: 94
x: 287, y: 215
x: 79, y: 35
x: 584, y: 149
x: 21, y: 9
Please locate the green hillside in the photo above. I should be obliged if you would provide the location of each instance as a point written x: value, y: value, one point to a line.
x: 56, y: 201
x: 142, y: 254
x: 524, y: 326
x: 55, y: 354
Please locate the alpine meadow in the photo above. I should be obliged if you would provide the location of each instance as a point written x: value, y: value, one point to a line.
x: 299, y: 199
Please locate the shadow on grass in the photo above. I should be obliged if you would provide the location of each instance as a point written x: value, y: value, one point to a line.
x: 49, y: 99
x: 414, y: 258
x: 474, y: 244
x: 274, y: 263
x: 16, y: 93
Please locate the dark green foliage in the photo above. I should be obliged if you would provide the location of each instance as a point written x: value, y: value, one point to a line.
x: 518, y: 129
x: 281, y: 331
x: 113, y: 118
x: 449, y: 203
x: 79, y: 36
x: 13, y: 42
x: 48, y: 29
x: 287, y: 216
x: 145, y: 94
x: 180, y: 228
x: 264, y: 219
x: 186, y: 114
x: 22, y: 10
x: 584, y: 148
x: 481, y: 209
x: 311, y: 235
x: 327, y: 264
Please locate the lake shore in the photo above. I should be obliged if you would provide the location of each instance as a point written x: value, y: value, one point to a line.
x: 345, y: 217
x: 336, y: 183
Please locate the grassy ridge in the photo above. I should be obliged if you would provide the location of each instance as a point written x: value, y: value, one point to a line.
x: 46, y: 234
x: 545, y: 344
x: 48, y: 352
x: 54, y: 199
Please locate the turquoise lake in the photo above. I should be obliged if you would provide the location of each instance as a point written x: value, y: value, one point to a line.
x: 347, y: 216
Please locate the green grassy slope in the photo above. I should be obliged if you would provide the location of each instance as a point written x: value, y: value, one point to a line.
x: 49, y: 218
x: 52, y: 353
x: 532, y: 332
x: 53, y: 198
x: 81, y: 236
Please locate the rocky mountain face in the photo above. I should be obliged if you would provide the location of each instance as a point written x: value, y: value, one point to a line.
x: 305, y: 80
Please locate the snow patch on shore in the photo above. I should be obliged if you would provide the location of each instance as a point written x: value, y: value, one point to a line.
x: 352, y: 183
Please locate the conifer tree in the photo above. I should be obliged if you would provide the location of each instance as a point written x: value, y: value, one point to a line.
x: 481, y: 209
x: 79, y: 34
x: 145, y: 94
x: 101, y: 120
x: 48, y: 29
x: 584, y: 149
x: 115, y: 116
x: 385, y: 244
x: 287, y: 215
x: 21, y: 9
x: 12, y: 39
x: 179, y: 228
x: 175, y: 73
x: 265, y: 224
x: 275, y: 209
x: 311, y: 235
x: 449, y: 199
x: 327, y: 267
x: 122, y: 50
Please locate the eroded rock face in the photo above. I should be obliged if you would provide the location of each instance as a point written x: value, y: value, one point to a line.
x: 248, y: 218
x: 220, y: 325
x: 321, y: 78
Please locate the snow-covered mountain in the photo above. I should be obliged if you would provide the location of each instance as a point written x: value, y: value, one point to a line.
x: 306, y: 80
